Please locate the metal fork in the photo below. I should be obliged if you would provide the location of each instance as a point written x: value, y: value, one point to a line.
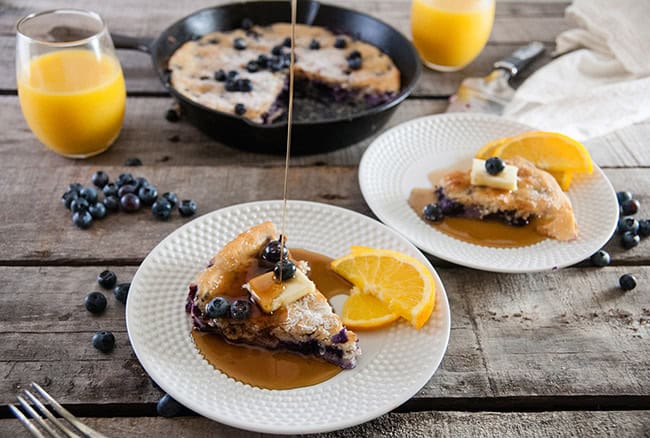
x: 61, y: 429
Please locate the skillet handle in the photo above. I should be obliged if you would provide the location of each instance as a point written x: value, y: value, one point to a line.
x: 141, y: 44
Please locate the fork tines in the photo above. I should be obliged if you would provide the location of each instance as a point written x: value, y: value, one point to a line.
x: 46, y: 421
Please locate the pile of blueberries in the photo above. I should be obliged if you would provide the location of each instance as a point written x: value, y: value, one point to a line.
x: 95, y: 302
x: 127, y: 193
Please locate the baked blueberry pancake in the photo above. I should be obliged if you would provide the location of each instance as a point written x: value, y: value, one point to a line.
x: 240, y: 297
x: 245, y: 72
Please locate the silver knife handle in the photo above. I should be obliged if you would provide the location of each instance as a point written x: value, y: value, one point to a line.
x: 521, y: 57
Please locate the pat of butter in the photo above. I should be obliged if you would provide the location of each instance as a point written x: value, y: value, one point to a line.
x: 270, y: 294
x: 506, y: 180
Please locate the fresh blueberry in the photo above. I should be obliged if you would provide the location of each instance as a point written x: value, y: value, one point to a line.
x: 220, y: 75
x: 286, y: 59
x: 172, y: 115
x: 110, y: 189
x: 284, y: 270
x: 600, y: 259
x: 494, y: 165
x: 354, y: 54
x: 121, y: 292
x: 168, y: 407
x: 125, y: 179
x: 100, y: 178
x: 263, y: 61
x: 623, y: 196
x: 231, y: 86
x: 68, y: 197
x: 244, y: 85
x: 246, y: 23
x: 162, y: 209
x: 132, y: 162
x: 240, y: 109
x: 97, y: 210
x: 630, y: 240
x: 141, y: 182
x: 287, y: 42
x: 277, y: 50
x: 644, y: 227
x: 628, y: 223
x: 340, y: 43
x: 217, y: 307
x: 171, y: 198
x: 148, y: 195
x: 107, y: 279
x: 627, y: 282
x: 232, y: 74
x: 127, y: 188
x: 187, y: 207
x: 95, y: 302
x: 274, y: 251
x: 239, y: 44
x: 276, y: 64
x: 89, y: 194
x: 79, y: 205
x: 112, y: 203
x: 130, y: 202
x: 629, y: 207
x: 75, y: 187
x: 314, y: 45
x: 240, y: 309
x: 82, y: 219
x: 252, y: 66
x: 354, y: 63
x: 432, y: 212
x: 104, y: 341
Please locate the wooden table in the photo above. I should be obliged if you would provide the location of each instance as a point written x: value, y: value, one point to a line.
x: 561, y: 353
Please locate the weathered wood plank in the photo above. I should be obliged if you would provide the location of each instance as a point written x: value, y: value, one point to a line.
x: 416, y: 424
x: 569, y: 333
x: 123, y: 238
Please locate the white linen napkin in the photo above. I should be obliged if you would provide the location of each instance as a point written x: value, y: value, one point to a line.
x: 603, y: 84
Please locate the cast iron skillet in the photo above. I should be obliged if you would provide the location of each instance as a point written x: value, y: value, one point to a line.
x: 307, y: 137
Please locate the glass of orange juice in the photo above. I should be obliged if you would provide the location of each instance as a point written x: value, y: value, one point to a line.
x: 70, y: 83
x: 449, y: 34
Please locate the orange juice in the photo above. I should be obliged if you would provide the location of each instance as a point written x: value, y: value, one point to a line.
x: 73, y: 100
x: 449, y: 34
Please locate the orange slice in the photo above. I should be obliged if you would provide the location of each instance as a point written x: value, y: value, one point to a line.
x: 563, y: 178
x: 365, y: 311
x: 399, y: 281
x: 488, y: 150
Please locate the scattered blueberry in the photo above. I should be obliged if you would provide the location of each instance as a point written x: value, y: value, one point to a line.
x: 97, y: 210
x: 627, y: 282
x: 172, y: 115
x: 628, y: 223
x: 82, y: 219
x: 600, y: 259
x: 220, y: 76
x: 629, y: 207
x: 644, y: 227
x: 100, y: 178
x: 95, y: 302
x: 168, y: 407
x: 89, y: 194
x: 314, y: 45
x: 494, y: 165
x: 104, y: 341
x: 68, y: 197
x: 231, y: 86
x: 75, y: 187
x: 130, y: 202
x: 141, y: 182
x: 107, y: 279
x: 623, y: 196
x: 232, y: 74
x: 340, y: 43
x: 263, y: 61
x: 127, y: 188
x: 162, y: 209
x: 132, y: 162
x: 187, y: 207
x: 240, y: 109
x: 148, y: 195
x: 284, y: 270
x: 110, y: 189
x: 124, y: 179
x: 630, y: 240
x: 78, y: 205
x: 433, y: 213
x: 217, y: 307
x: 274, y: 251
x: 252, y: 66
x: 121, y: 292
x: 246, y: 23
x: 354, y: 63
x: 112, y: 203
x: 277, y: 50
x: 171, y: 198
x: 286, y: 42
x: 244, y: 85
x: 239, y: 44
x: 240, y: 309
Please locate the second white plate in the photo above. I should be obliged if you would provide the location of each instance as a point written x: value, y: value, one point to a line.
x: 401, y: 158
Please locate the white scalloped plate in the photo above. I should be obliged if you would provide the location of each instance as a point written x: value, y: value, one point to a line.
x: 402, y: 157
x: 396, y: 362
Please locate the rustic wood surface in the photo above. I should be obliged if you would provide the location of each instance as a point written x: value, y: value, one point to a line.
x: 551, y: 354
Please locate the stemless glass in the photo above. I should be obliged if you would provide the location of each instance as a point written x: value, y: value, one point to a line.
x: 70, y: 83
x: 449, y: 34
